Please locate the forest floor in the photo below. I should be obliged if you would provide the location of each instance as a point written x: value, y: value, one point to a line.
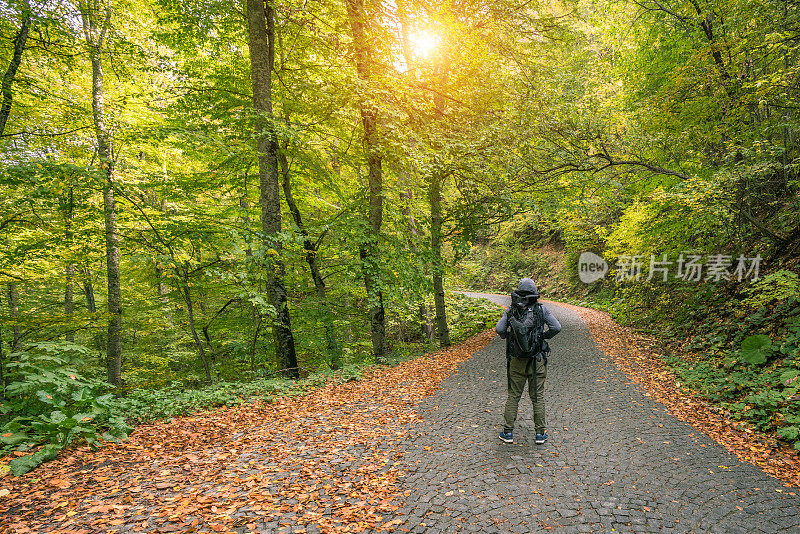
x: 414, y: 448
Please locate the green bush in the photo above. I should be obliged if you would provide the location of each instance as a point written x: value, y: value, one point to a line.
x: 175, y: 400
x: 49, y: 404
x: 758, y: 382
x: 467, y: 316
x: 779, y: 285
x: 499, y: 269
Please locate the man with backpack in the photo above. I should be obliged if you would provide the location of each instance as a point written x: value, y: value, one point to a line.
x: 522, y: 326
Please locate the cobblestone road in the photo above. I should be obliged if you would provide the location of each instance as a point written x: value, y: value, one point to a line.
x: 615, y: 459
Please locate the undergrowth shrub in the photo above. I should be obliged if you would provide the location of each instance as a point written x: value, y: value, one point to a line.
x: 757, y: 381
x: 49, y: 405
x: 777, y: 286
x: 467, y: 316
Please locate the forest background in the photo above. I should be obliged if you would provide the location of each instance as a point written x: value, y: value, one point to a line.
x: 206, y: 202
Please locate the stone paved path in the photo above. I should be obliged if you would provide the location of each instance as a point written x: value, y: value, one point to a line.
x: 615, y: 459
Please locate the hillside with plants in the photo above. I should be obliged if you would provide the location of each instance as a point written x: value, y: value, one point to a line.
x: 202, y: 204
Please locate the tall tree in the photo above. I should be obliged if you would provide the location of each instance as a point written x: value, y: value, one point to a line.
x: 363, y: 54
x: 311, y: 249
x: 95, y: 30
x: 13, y: 306
x: 261, y: 43
x: 16, y: 58
x: 68, y: 209
x: 436, y: 181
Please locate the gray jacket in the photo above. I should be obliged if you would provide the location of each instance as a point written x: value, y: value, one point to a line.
x: 527, y: 286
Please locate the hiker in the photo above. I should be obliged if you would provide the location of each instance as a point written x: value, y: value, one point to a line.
x: 522, y: 326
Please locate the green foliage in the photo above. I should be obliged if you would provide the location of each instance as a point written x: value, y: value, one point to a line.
x: 759, y: 382
x: 23, y: 464
x: 177, y: 399
x: 779, y: 285
x: 467, y: 316
x: 755, y: 349
x: 499, y: 268
x: 48, y: 402
x: 143, y: 405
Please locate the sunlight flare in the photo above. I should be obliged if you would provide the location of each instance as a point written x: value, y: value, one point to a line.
x: 424, y: 43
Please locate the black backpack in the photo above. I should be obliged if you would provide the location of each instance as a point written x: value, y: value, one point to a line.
x: 525, y: 338
x: 526, y: 321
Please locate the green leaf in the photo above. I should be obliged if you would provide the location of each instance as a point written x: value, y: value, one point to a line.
x: 789, y: 433
x: 754, y: 349
x: 45, y: 397
x: 108, y: 436
x: 13, y: 438
x: 104, y: 400
x: 57, y: 417
x: 83, y: 417
x: 23, y: 464
x: 81, y: 395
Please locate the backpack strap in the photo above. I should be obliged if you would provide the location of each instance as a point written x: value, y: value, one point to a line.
x: 508, y: 360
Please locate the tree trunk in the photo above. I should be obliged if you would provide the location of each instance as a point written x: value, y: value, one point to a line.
x: 187, y: 298
x: 261, y: 43
x: 310, y: 247
x: 435, y: 198
x: 370, y: 250
x: 13, y: 306
x: 88, y: 291
x: 95, y: 37
x: 91, y: 307
x: 257, y: 319
x: 114, y: 346
x: 212, y: 354
x: 69, y: 301
x: 425, y: 326
x: 16, y: 58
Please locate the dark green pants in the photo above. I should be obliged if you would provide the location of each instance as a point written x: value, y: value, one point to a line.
x: 522, y: 370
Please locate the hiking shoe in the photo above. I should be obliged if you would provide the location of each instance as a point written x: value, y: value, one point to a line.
x: 541, y: 438
x: 508, y: 437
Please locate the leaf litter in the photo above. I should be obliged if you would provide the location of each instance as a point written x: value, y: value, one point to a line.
x: 326, y: 460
